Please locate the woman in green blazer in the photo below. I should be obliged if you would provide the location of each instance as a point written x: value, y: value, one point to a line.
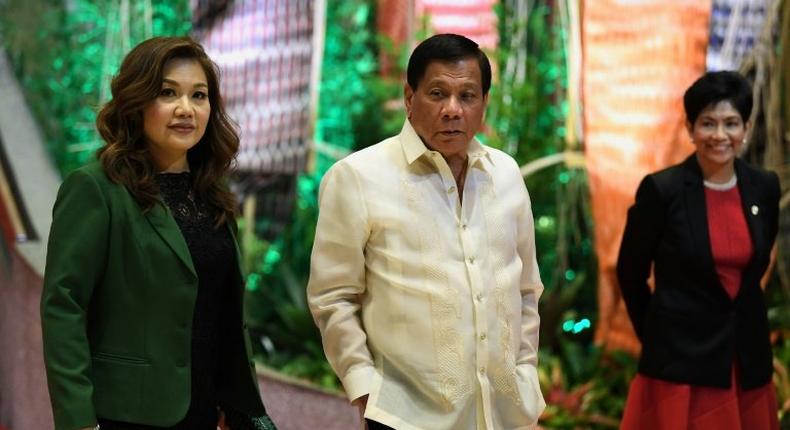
x: 142, y: 303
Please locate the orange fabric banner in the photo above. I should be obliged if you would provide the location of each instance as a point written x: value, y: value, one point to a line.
x: 400, y: 20
x: 639, y: 58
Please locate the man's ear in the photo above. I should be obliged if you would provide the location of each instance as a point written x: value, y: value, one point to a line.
x: 408, y: 95
x: 485, y: 107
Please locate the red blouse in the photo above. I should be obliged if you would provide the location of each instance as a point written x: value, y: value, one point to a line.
x: 730, y: 241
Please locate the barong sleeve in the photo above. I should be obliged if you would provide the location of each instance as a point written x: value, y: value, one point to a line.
x: 337, y: 278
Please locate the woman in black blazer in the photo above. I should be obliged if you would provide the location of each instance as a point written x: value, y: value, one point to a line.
x: 707, y: 226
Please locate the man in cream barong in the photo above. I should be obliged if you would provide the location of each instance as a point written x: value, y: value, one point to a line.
x: 424, y: 281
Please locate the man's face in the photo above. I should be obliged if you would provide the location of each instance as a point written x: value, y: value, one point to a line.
x: 448, y: 106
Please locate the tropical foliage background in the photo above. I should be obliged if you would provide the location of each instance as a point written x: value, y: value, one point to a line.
x: 65, y: 52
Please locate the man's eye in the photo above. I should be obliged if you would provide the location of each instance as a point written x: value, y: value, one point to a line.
x: 435, y: 93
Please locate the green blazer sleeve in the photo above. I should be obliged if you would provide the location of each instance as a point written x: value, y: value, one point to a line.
x: 76, y: 258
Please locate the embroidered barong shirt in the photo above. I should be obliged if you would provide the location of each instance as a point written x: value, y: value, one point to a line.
x: 426, y: 304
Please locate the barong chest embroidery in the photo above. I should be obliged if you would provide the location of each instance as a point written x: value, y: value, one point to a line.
x: 452, y: 383
x: 503, y: 375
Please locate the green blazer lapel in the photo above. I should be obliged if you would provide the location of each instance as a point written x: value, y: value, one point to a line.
x: 165, y: 225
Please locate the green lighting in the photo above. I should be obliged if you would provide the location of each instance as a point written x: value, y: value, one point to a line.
x: 570, y: 275
x: 545, y: 222
x: 253, y: 282
x: 82, y: 42
x: 271, y: 259
x: 581, y: 326
x: 576, y: 327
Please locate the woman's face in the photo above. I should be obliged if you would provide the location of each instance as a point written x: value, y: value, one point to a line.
x: 718, y: 134
x: 176, y: 119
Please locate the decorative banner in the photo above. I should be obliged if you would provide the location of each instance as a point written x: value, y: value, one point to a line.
x: 635, y: 72
x: 265, y: 50
x: 393, y: 20
x: 735, y: 26
x: 474, y: 19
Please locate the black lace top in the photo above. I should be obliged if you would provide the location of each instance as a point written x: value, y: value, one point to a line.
x: 213, y: 256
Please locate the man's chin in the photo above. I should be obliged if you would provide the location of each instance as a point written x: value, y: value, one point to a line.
x: 451, y: 142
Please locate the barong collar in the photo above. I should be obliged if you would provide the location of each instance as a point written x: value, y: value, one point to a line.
x: 414, y: 147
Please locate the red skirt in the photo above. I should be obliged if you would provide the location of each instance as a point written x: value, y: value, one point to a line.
x: 654, y: 404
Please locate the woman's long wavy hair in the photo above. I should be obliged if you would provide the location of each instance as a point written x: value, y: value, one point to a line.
x: 125, y: 156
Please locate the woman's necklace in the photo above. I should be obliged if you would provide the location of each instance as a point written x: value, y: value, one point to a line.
x: 724, y: 186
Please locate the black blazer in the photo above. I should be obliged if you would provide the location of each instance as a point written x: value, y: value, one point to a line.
x: 689, y: 327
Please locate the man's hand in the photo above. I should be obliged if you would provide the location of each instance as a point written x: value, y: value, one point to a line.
x: 221, y: 425
x: 361, y: 403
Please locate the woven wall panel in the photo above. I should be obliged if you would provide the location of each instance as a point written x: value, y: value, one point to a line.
x: 640, y: 56
x: 735, y: 26
x: 264, y: 48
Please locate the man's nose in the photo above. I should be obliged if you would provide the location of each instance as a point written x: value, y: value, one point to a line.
x: 452, y: 108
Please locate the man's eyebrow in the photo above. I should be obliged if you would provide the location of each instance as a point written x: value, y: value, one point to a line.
x: 469, y: 83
